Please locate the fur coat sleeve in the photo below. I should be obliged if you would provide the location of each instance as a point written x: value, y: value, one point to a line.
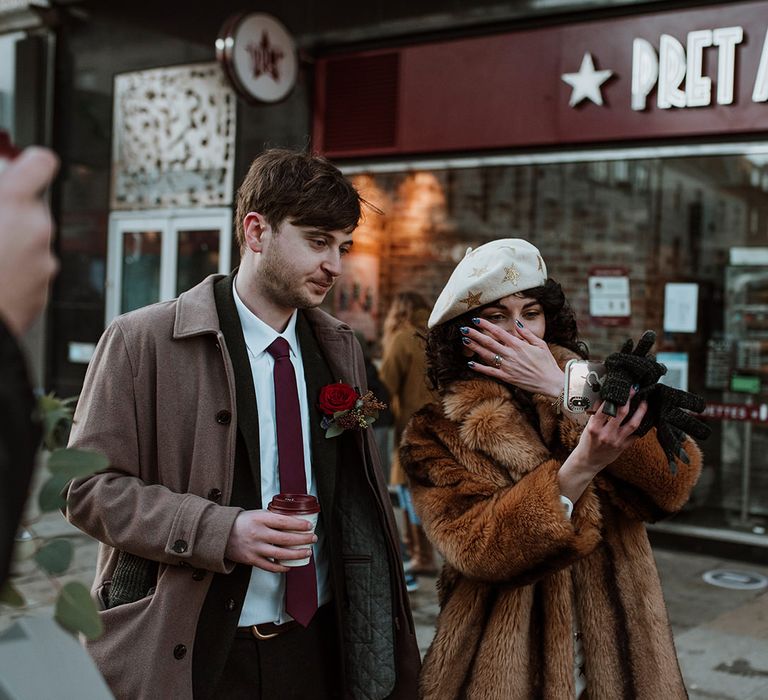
x: 483, y: 473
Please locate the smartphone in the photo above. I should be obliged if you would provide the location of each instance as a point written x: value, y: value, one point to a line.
x: 583, y: 379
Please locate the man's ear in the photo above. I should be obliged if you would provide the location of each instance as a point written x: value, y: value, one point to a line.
x: 254, y: 228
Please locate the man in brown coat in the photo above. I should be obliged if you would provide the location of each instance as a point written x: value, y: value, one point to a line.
x: 180, y: 397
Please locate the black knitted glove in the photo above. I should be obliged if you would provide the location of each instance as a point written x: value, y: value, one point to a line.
x: 668, y: 411
x: 628, y: 367
x: 667, y: 407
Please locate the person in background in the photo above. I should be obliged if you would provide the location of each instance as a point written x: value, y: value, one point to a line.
x: 384, y: 421
x: 549, y: 588
x: 27, y: 266
x: 207, y: 407
x: 403, y: 371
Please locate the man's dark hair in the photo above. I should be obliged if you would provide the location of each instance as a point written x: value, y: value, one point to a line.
x: 446, y: 362
x: 299, y: 187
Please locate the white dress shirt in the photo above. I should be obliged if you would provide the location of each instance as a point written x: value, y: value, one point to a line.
x: 265, y: 599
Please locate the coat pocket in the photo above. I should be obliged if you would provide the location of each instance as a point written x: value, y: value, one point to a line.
x: 357, y: 612
x: 134, y: 578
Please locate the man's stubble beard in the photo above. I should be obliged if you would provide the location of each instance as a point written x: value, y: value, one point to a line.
x: 284, y: 292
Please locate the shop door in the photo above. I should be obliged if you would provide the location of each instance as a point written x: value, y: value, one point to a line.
x: 155, y: 256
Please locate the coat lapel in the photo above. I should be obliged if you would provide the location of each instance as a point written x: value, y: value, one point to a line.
x: 324, y: 450
x: 247, y: 413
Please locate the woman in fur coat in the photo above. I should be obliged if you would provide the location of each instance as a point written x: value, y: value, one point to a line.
x: 549, y: 588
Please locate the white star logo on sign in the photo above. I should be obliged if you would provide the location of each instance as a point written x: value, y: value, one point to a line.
x: 586, y: 83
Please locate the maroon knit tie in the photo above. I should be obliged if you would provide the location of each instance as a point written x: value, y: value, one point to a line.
x: 300, y: 582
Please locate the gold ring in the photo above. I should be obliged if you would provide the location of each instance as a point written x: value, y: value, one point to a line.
x: 497, y: 361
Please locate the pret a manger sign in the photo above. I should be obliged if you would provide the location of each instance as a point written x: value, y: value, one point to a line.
x: 688, y: 73
x: 676, y: 69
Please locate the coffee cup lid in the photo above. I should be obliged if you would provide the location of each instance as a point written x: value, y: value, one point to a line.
x: 294, y: 504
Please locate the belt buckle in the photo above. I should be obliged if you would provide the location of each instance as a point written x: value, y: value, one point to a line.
x: 261, y: 635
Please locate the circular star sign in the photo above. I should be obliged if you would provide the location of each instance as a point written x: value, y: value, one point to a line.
x: 258, y: 56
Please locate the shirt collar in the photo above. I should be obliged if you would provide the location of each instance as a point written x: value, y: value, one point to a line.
x: 258, y: 335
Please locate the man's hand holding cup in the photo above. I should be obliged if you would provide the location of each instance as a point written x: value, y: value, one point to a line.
x: 277, y: 538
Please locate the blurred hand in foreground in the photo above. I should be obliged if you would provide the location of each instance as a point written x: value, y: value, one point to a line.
x: 27, y: 263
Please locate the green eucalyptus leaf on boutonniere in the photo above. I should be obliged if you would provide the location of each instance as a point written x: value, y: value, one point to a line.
x: 334, y: 430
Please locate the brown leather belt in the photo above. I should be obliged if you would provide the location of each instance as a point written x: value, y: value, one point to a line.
x: 269, y: 630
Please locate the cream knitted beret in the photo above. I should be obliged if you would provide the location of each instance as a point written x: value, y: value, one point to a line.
x: 492, y: 271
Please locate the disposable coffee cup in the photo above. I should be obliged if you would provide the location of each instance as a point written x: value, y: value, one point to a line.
x: 297, y: 505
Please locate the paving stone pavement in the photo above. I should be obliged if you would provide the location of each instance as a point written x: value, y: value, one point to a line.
x: 721, y: 635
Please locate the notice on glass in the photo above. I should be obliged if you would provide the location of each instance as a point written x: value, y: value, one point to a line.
x: 608, y: 296
x: 681, y: 306
x: 677, y: 369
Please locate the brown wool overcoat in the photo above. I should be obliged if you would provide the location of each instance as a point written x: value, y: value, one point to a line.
x: 159, y: 400
x: 484, y: 483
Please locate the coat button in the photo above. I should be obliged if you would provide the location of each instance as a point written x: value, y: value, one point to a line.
x: 223, y: 417
x: 230, y: 604
x: 198, y: 574
x: 214, y: 495
x: 179, y: 651
x: 179, y: 546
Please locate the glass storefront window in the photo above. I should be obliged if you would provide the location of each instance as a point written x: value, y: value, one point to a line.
x: 198, y: 257
x: 697, y: 222
x: 155, y: 255
x: 8, y: 81
x: 141, y: 269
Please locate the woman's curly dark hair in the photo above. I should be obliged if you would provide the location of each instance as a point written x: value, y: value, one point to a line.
x: 446, y: 362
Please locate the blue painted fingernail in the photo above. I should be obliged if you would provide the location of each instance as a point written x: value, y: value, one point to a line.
x: 476, y: 321
x: 636, y: 387
x: 520, y: 325
x: 466, y: 341
x: 470, y: 364
x: 464, y: 330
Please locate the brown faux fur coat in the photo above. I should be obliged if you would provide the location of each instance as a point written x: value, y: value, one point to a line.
x: 484, y: 482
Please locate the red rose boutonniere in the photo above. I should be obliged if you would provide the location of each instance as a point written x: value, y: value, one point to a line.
x: 344, y: 408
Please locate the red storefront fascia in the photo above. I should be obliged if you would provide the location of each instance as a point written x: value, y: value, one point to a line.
x: 679, y: 74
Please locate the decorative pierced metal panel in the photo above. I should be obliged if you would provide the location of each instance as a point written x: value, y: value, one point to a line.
x: 174, y: 132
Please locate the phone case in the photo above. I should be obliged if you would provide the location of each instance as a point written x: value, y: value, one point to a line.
x: 583, y: 379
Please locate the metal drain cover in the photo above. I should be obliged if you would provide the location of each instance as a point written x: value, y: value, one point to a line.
x: 736, y: 580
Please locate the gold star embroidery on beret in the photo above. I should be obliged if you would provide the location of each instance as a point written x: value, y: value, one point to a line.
x: 541, y: 264
x: 511, y: 274
x: 471, y: 300
x: 478, y: 271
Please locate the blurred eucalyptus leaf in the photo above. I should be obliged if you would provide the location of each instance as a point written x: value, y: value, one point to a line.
x: 76, y: 611
x: 50, y: 497
x: 66, y: 464
x: 71, y: 462
x: 10, y: 596
x: 55, y: 556
x: 56, y: 415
